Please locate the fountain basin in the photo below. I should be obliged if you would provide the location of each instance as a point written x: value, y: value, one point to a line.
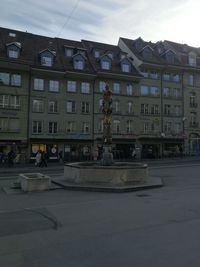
x: 118, y: 174
x: 34, y: 182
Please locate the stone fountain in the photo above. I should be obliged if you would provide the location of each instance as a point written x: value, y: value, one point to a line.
x: 108, y: 175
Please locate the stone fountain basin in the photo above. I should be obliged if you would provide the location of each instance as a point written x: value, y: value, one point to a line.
x: 118, y: 174
x: 34, y: 182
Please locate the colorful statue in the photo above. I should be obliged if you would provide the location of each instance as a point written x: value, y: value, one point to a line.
x: 107, y: 111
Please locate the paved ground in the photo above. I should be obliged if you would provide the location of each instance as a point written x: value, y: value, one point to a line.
x: 159, y: 227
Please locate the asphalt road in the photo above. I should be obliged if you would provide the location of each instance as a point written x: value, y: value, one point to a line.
x: 152, y: 228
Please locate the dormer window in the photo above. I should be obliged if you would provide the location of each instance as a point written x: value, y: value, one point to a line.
x: 96, y: 54
x: 170, y: 57
x: 105, y: 65
x: 79, y: 62
x: 192, y: 59
x: 13, y: 50
x: 68, y: 52
x: 147, y: 53
x: 46, y: 61
x: 125, y: 65
x: 47, y: 58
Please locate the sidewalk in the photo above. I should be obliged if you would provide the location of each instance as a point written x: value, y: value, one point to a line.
x: 59, y: 166
x: 30, y: 167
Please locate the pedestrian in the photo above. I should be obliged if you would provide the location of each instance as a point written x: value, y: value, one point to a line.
x: 43, y: 161
x: 11, y: 157
x: 60, y: 156
x: 133, y: 153
x: 38, y: 158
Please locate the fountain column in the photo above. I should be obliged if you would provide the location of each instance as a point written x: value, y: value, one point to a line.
x: 107, y: 156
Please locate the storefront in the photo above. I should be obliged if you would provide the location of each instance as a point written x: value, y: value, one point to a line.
x: 51, y: 151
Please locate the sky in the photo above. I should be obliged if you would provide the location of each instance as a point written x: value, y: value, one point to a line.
x: 105, y: 20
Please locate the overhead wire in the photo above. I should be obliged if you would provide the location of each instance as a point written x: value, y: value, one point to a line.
x: 69, y: 16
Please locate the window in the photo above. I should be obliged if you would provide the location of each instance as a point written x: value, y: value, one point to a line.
x: 129, y: 126
x: 167, y: 109
x: 155, y: 109
x: 101, y: 126
x: 38, y: 84
x: 116, y: 106
x: 125, y: 67
x: 14, y: 125
x: 166, y: 76
x: 168, y: 127
x: 3, y: 124
x: 129, y: 89
x: 53, y: 106
x: 14, y: 102
x: 116, y: 126
x: 78, y: 64
x: 144, y: 90
x: 105, y: 64
x: 154, y: 91
x: 85, y: 88
x: 85, y: 127
x: 96, y: 54
x: 13, y: 53
x: 176, y: 78
x: 193, y: 100
x: 85, y: 107
x: 191, y: 79
x: 170, y: 57
x: 177, y: 110
x: 193, y: 118
x: 177, y: 92
x: 192, y: 60
x: 147, y: 53
x: 166, y: 91
x: 70, y: 106
x: 130, y: 107
x: 53, y: 86
x: 144, y: 108
x: 47, y: 61
x: 68, y: 52
x: 100, y: 104
x: 145, y: 73
x: 102, y: 86
x: 70, y: 127
x: 4, y: 78
x: 177, y: 128
x: 71, y: 86
x: 116, y: 88
x: 146, y: 127
x: 4, y: 101
x: 154, y: 75
x: 37, y: 127
x: 15, y: 79
x: 53, y: 127
x: 9, y: 101
x: 38, y: 105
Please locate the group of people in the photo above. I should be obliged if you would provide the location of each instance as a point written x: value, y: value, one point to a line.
x: 8, y: 158
x: 41, y: 159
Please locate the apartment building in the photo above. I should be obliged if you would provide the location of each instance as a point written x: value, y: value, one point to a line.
x: 51, y: 96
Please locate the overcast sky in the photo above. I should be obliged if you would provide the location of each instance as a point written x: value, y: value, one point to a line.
x: 105, y: 20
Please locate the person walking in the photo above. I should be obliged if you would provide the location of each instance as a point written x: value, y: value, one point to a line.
x: 38, y: 158
x: 11, y: 157
x: 43, y: 161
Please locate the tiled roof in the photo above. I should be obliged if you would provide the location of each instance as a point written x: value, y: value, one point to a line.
x: 105, y: 49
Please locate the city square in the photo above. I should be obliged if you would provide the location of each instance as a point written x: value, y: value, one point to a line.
x: 154, y: 227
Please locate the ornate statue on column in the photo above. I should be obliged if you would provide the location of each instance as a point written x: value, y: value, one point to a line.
x: 107, y: 158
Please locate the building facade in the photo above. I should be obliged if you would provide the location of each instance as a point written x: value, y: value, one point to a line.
x: 51, y: 96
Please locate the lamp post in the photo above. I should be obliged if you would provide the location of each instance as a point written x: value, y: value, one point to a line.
x: 183, y: 124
